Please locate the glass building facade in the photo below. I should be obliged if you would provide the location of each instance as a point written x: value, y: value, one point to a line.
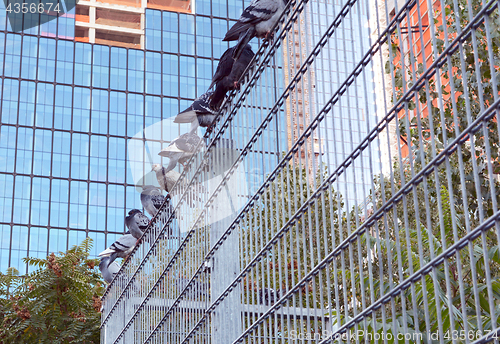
x: 81, y: 124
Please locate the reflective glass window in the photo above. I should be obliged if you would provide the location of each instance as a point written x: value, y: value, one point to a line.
x: 170, y: 32
x: 203, y: 37
x: 58, y: 239
x: 98, y: 157
x: 203, y: 75
x: 75, y: 238
x: 44, y: 104
x: 100, y: 67
x: 12, y: 53
x: 46, y: 58
x: 5, y: 246
x: 6, y: 193
x: 42, y: 152
x: 29, y: 57
x: 7, y: 148
x: 186, y: 34
x: 78, y: 205
x: 61, y: 154
x: 64, y: 70
x: 136, y: 71
x: 62, y: 110
x: 40, y: 202
x: 49, y: 26
x: 170, y: 75
x: 153, y: 74
x: 170, y: 107
x: 135, y: 114
x: 2, y: 38
x: 152, y: 118
x: 97, y: 206
x: 116, y: 160
x: 79, y: 156
x: 59, y: 204
x: 81, y: 109
x: 19, y: 247
x: 118, y: 69
x: 219, y: 29
x: 99, y: 119
x: 10, y: 101
x: 153, y: 30
x: 82, y: 65
x: 24, y: 150
x: 187, y: 77
x: 117, y: 113
x: 38, y: 239
x: 22, y: 190
x: 116, y: 207
x: 219, y: 8
x: 27, y: 103
x: 99, y: 241
x: 66, y: 22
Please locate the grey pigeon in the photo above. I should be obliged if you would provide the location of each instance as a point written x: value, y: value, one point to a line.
x: 136, y: 223
x: 257, y: 20
x: 228, y: 73
x: 200, y: 110
x: 121, y: 248
x: 151, y: 199
x: 268, y: 296
x: 182, y: 148
x: 166, y: 178
x: 108, y: 270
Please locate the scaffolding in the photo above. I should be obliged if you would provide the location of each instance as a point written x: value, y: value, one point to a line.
x: 350, y: 194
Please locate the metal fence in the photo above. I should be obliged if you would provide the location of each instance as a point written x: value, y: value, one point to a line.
x: 351, y: 194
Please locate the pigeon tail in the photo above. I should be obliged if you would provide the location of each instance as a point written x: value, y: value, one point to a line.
x: 171, y: 165
x: 236, y: 30
x: 218, y: 96
x: 106, y: 253
x: 186, y: 116
x: 243, y: 40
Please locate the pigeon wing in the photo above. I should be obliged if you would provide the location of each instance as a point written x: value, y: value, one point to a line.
x: 142, y: 221
x: 258, y: 11
x: 157, y: 201
x: 224, y: 67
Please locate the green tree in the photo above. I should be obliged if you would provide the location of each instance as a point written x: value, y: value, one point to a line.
x: 57, y: 303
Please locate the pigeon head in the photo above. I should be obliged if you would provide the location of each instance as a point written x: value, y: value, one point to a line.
x: 156, y: 167
x: 134, y: 211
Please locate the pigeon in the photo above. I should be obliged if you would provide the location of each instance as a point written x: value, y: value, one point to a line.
x: 201, y: 110
x: 228, y: 73
x: 182, y: 148
x: 136, y: 223
x: 151, y: 199
x: 166, y: 178
x: 257, y: 20
x: 268, y: 296
x: 121, y: 248
x: 108, y: 270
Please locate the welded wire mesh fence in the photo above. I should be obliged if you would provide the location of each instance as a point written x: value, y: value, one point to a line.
x: 349, y: 192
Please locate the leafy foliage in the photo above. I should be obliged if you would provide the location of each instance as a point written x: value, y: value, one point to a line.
x: 57, y: 303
